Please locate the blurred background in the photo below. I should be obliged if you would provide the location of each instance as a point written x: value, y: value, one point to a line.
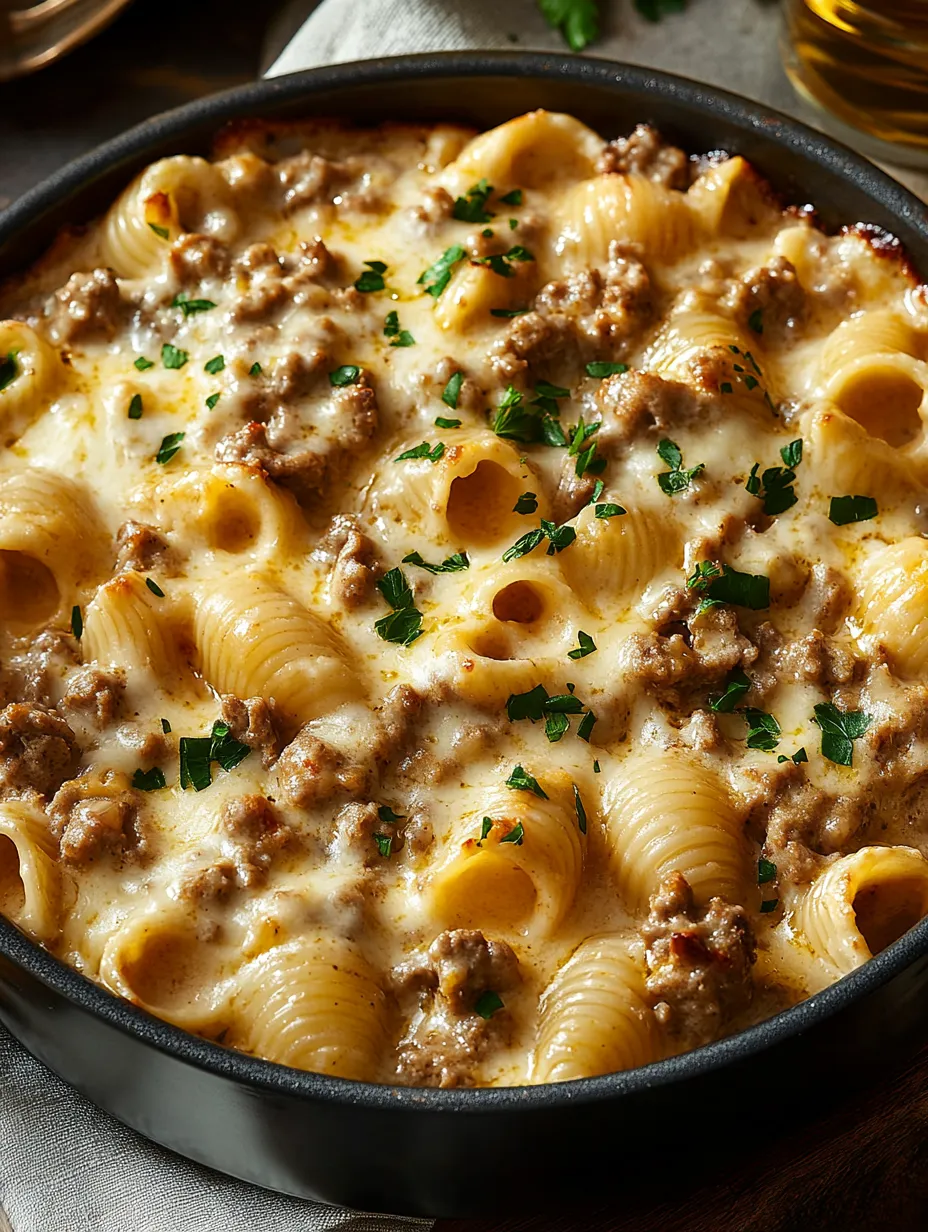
x: 75, y: 72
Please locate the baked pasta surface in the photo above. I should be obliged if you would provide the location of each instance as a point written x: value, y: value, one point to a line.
x: 463, y: 599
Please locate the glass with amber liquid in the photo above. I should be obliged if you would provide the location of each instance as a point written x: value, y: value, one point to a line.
x: 866, y: 66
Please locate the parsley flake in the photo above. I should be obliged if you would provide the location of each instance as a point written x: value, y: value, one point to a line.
x: 485, y: 827
x: 472, y: 207
x: 77, y: 622
x: 512, y: 198
x: 372, y: 278
x: 190, y: 306
x: 387, y: 815
x: 501, y: 263
x: 577, y: 20
x: 438, y: 275
x: 763, y: 730
x: 601, y: 368
x: 165, y: 726
x: 677, y: 479
x: 488, y: 1003
x: 255, y: 369
x: 766, y: 871
x: 581, y: 811
x: 792, y: 454
x: 756, y: 321
x: 214, y: 365
x: 452, y: 391
x: 169, y: 447
x: 172, y: 356
x: 847, y: 509
x: 840, y: 728
x: 610, y: 511
x: 211, y: 401
x: 404, y: 624
x: 384, y: 844
x: 520, y: 780
x: 769, y: 904
x: 515, y: 835
x: 586, y: 646
x: 154, y: 588
x: 162, y: 232
x: 737, y: 685
x: 143, y: 364
x: 347, y: 374
x: 442, y: 422
x: 451, y: 564
x: 425, y: 450
x: 149, y: 780
x: 508, y: 312
x: 398, y: 337
x: 135, y: 407
x: 527, y: 503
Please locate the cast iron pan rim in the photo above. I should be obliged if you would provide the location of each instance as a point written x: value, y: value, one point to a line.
x: 252, y: 1071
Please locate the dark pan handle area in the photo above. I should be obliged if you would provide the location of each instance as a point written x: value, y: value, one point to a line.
x: 463, y: 1152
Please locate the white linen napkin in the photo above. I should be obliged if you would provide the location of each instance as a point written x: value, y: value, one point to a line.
x: 65, y: 1166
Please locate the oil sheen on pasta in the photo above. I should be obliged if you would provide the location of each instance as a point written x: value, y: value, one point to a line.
x: 421, y: 559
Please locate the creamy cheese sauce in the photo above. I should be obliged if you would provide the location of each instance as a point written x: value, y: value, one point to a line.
x: 742, y: 364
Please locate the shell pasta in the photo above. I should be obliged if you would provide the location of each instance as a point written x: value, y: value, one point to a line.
x: 463, y: 598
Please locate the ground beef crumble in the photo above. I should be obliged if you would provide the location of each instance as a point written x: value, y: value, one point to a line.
x: 644, y: 152
x: 699, y: 962
x: 38, y: 750
x: 352, y: 559
x: 88, y: 306
x: 447, y: 1039
x: 251, y: 721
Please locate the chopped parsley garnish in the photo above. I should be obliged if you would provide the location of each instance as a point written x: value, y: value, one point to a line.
x: 515, y: 835
x: 581, y: 811
x: 513, y: 421
x: 840, y: 728
x: 425, y: 450
x: 451, y: 564
x: 372, y: 278
x: 211, y: 401
x: 77, y: 622
x: 442, y: 422
x: 520, y: 780
x: 197, y: 754
x: 508, y: 312
x: 135, y: 407
x: 190, y: 306
x: 763, y: 730
x: 487, y: 233
x: 452, y: 391
x: 149, y: 780
x: 736, y: 687
x: 596, y: 767
x: 769, y: 904
x: 473, y: 206
x: 512, y: 198
x: 766, y: 871
x: 536, y: 705
x: 847, y: 509
x: 172, y: 356
x: 438, y: 275
x: 398, y: 337
x: 255, y: 370
x: 154, y: 588
x: 610, y: 510
x: 165, y: 726
x: 404, y: 623
x: 169, y: 447
x: 601, y: 368
x: 162, y: 232
x: 347, y: 374
x: 214, y: 365
x: 485, y: 827
x: 502, y: 262
x: 792, y: 454
x: 586, y: 646
x: 577, y: 20
x: 677, y: 479
x: 751, y: 590
x: 488, y: 1003
x: 513, y: 223
x: 384, y: 844
x: 774, y: 487
x: 559, y: 537
x: 756, y: 321
x: 387, y: 815
x: 528, y: 705
x: 585, y: 454
x: 527, y: 503
x: 143, y: 364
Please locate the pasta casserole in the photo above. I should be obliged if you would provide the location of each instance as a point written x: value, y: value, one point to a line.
x: 463, y: 598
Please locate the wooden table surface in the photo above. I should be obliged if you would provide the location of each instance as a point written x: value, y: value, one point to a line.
x: 862, y: 1168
